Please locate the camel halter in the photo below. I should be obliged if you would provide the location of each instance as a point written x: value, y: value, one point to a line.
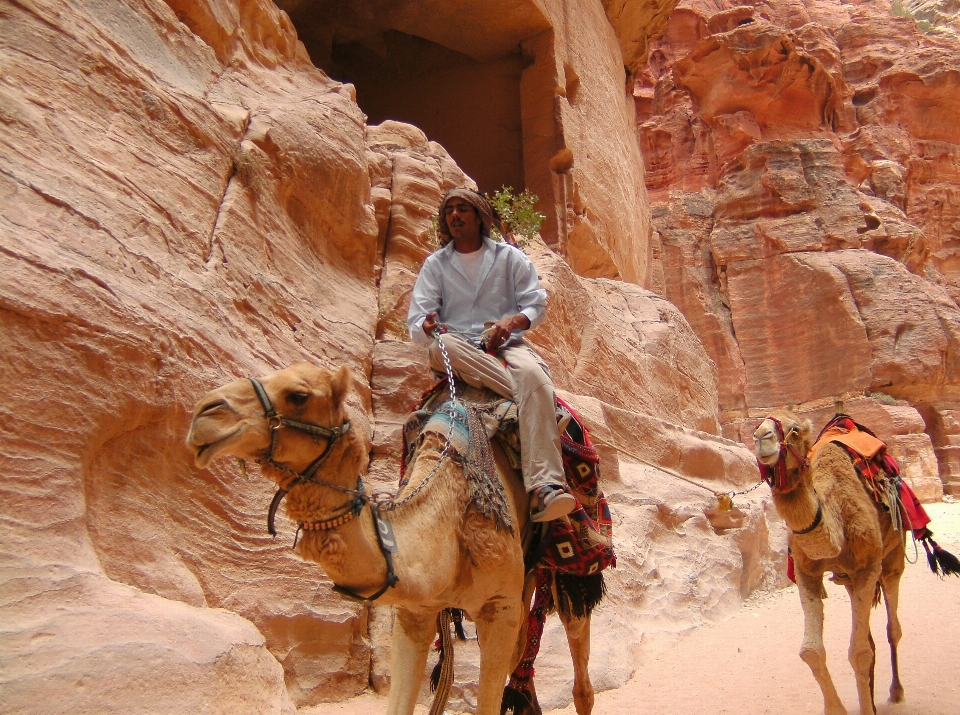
x: 350, y: 509
x: 275, y: 421
x: 347, y: 511
x: 776, y: 474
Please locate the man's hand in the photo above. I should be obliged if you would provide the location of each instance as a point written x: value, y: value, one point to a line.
x: 430, y: 324
x: 499, y: 332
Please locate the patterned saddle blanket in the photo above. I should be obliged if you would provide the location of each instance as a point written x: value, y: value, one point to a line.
x: 582, y: 543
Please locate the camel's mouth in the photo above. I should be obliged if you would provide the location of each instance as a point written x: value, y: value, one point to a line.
x: 206, y: 452
x: 767, y: 445
x: 768, y: 458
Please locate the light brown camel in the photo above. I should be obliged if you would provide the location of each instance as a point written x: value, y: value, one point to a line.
x: 835, y: 526
x: 447, y: 555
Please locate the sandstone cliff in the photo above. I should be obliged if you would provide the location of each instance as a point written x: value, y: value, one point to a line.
x: 803, y: 164
x: 187, y: 198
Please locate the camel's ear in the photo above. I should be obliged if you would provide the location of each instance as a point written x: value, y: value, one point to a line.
x: 340, y: 385
x: 806, y: 428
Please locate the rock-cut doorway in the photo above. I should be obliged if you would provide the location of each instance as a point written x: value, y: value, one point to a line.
x: 453, y: 68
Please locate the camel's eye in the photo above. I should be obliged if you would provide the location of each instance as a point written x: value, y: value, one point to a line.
x: 212, y: 407
x: 298, y: 398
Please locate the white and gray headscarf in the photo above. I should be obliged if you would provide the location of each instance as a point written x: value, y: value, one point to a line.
x: 488, y: 215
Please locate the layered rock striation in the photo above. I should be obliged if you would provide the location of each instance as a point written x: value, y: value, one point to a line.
x: 162, y: 230
x: 804, y: 173
x: 187, y: 198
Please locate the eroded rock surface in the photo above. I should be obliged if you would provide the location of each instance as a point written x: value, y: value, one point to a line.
x: 188, y: 199
x: 163, y: 231
x: 804, y: 176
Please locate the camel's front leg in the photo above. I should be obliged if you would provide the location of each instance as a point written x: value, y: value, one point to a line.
x: 863, y: 651
x: 811, y: 649
x: 890, y: 583
x: 578, y: 637
x: 413, y: 634
x: 498, y: 624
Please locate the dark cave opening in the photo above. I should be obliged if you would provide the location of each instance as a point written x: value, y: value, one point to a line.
x: 470, y: 105
x: 472, y: 108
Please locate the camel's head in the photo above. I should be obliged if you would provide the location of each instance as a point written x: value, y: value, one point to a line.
x: 777, y: 433
x: 231, y: 420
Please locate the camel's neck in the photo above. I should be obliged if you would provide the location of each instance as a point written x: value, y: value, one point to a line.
x: 350, y: 552
x: 426, y: 530
x: 350, y: 555
x: 798, y: 507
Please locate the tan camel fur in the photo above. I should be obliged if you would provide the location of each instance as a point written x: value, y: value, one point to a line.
x: 855, y: 540
x: 449, y: 555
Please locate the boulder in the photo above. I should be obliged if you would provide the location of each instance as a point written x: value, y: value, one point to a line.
x: 81, y: 643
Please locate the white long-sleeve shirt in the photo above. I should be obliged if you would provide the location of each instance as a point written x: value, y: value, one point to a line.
x: 506, y: 284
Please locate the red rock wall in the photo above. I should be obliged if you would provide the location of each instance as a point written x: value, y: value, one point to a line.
x: 187, y: 199
x: 805, y: 172
x: 596, y: 173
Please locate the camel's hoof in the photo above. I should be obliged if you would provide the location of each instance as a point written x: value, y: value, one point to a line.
x: 896, y: 695
x: 583, y: 704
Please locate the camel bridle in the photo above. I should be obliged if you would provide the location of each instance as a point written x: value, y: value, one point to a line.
x: 275, y: 421
x: 347, y: 511
x: 351, y: 508
x: 776, y: 474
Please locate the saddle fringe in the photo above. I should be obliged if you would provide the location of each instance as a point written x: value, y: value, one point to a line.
x: 517, y: 702
x: 577, y: 596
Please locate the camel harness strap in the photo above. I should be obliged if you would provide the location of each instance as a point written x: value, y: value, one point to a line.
x: 347, y: 511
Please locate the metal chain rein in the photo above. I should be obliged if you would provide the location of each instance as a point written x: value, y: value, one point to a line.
x: 388, y: 504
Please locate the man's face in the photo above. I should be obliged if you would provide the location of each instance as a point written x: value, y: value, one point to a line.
x: 462, y: 219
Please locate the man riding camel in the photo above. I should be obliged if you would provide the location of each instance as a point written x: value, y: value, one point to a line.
x: 478, y: 296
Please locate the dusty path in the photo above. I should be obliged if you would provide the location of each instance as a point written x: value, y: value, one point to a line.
x: 748, y: 665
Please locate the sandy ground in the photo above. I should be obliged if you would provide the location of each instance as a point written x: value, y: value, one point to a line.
x: 749, y: 664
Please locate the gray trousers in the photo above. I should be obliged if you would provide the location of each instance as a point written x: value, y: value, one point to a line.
x: 524, y: 381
